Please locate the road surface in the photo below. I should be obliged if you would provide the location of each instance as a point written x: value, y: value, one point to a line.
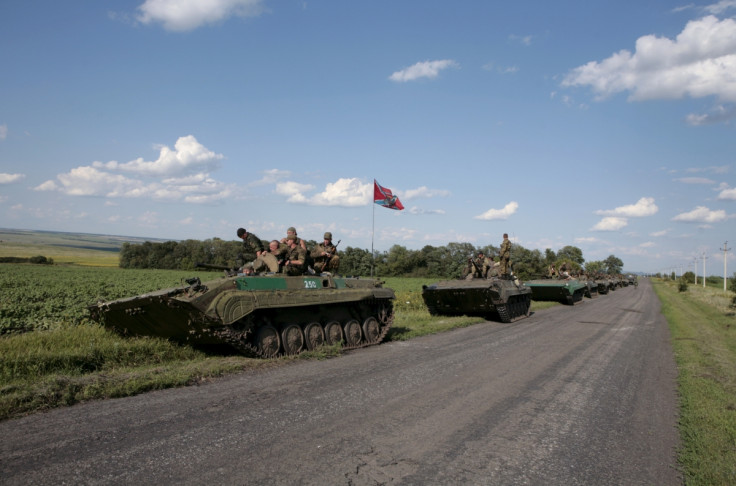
x: 571, y: 395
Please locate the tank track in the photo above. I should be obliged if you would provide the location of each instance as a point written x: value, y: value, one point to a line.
x: 516, y: 308
x: 241, y: 339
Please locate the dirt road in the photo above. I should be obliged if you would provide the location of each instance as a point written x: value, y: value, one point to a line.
x: 571, y: 395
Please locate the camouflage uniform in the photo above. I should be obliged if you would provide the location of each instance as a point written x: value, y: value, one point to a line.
x: 323, y: 263
x: 505, y: 255
x: 251, y: 245
x: 296, y: 253
x: 269, y: 259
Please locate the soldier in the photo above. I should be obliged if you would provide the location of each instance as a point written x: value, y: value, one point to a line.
x: 552, y: 271
x: 325, y: 256
x: 252, y: 245
x: 295, y: 258
x: 480, y: 266
x: 269, y: 260
x: 564, y: 273
x: 505, y: 254
x: 299, y: 241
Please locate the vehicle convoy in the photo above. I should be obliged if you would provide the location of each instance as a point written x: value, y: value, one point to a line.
x: 262, y: 316
x: 484, y: 297
x: 559, y: 290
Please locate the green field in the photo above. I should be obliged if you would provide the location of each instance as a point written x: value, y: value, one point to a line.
x: 74, y: 248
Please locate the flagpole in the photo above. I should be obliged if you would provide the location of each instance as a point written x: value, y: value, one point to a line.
x: 373, y: 230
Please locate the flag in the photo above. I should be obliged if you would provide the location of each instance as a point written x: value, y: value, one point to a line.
x: 384, y: 197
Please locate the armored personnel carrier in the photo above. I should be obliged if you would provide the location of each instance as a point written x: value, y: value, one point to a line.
x: 484, y: 297
x: 559, y: 290
x: 262, y: 316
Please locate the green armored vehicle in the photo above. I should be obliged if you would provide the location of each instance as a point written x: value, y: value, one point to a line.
x: 559, y: 290
x: 484, y: 297
x: 262, y: 316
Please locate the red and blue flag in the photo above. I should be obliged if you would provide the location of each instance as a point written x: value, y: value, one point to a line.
x: 384, y: 197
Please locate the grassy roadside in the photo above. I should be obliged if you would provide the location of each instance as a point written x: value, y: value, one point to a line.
x: 73, y: 362
x: 704, y: 339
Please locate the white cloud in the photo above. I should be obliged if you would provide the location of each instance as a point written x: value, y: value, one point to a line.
x: 46, y: 186
x: 419, y: 211
x: 172, y: 172
x: 648, y: 244
x: 524, y: 39
x: 493, y: 214
x: 659, y: 233
x: 344, y: 192
x: 695, y: 180
x: 610, y: 223
x: 701, y: 214
x: 717, y: 114
x: 700, y: 62
x: 10, y: 178
x: 3, y: 131
x: 183, y: 15
x: 720, y: 7
x: 294, y: 190
x: 426, y: 69
x: 424, y: 192
x: 271, y: 176
x: 590, y: 239
x: 728, y: 194
x: 189, y: 155
x: 643, y: 207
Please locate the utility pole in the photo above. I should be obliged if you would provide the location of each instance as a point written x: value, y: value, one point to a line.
x: 725, y: 251
x: 695, y: 269
x: 704, y: 259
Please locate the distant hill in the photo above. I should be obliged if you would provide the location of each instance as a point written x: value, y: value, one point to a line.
x: 64, y: 247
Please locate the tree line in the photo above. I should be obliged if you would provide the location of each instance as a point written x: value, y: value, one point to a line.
x: 443, y: 262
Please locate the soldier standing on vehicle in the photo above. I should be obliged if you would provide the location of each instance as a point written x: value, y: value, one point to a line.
x: 505, y: 254
x: 252, y: 245
x: 325, y: 256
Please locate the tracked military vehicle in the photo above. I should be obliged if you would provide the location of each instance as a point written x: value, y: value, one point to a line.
x: 559, y: 290
x: 263, y: 316
x: 491, y: 297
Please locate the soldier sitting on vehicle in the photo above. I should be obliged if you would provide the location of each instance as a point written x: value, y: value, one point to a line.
x: 325, y: 257
x: 268, y: 261
x: 295, y: 258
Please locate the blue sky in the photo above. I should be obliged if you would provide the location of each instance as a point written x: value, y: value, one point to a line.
x: 610, y: 126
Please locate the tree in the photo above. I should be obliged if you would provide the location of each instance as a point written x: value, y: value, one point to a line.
x: 613, y: 265
x: 549, y: 257
x: 571, y: 253
x: 594, y: 267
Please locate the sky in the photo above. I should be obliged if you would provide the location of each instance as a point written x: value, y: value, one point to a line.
x: 608, y: 125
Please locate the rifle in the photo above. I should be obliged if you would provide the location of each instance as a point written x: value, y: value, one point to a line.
x: 229, y: 270
x: 330, y: 254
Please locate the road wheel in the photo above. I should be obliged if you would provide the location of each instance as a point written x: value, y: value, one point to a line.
x: 268, y: 341
x: 371, y: 330
x: 333, y: 332
x: 353, y: 333
x: 293, y: 339
x: 314, y: 335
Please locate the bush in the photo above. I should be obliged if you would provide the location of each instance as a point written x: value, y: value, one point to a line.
x: 41, y: 260
x: 682, y: 286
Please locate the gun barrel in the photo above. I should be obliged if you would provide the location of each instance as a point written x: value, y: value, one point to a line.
x: 215, y: 267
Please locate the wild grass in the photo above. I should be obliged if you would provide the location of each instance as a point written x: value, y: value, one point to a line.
x: 703, y: 330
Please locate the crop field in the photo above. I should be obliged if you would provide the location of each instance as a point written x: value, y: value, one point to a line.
x: 52, y: 353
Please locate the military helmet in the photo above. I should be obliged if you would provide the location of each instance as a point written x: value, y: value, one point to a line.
x: 291, y: 229
x: 328, y: 236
